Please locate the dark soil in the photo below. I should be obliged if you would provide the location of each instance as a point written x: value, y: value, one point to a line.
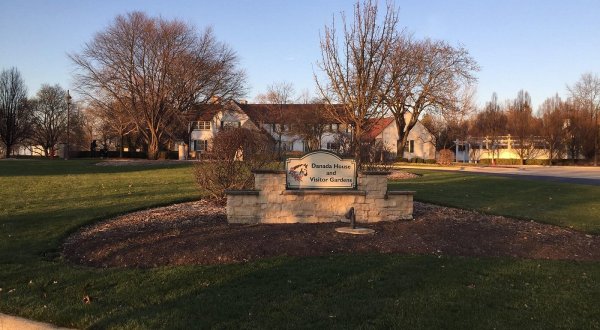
x: 198, y: 233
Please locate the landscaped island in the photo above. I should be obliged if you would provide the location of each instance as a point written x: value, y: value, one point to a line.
x: 446, y: 279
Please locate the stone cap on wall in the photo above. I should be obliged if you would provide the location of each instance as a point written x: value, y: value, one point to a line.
x: 400, y: 192
x: 325, y: 192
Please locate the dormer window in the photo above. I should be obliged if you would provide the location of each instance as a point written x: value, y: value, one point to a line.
x: 230, y: 124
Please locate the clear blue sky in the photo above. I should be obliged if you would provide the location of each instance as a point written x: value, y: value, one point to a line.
x: 536, y: 45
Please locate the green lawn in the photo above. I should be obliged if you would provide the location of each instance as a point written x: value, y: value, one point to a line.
x: 43, y: 201
x: 570, y: 205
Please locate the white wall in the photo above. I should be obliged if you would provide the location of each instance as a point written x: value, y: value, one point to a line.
x: 423, y: 141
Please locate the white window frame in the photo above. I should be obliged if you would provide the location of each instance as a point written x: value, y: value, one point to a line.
x: 331, y: 145
x: 230, y: 124
x: 200, y: 145
x: 203, y: 125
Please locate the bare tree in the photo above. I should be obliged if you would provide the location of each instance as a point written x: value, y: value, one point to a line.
x: 310, y: 124
x: 49, y: 118
x: 586, y: 94
x: 491, y: 124
x: 580, y: 131
x: 555, y: 123
x: 426, y: 76
x: 155, y: 69
x: 523, y: 127
x: 77, y: 131
x: 305, y: 97
x: 277, y: 95
x: 451, y: 124
x: 114, y: 120
x: 356, y: 70
x: 15, y: 114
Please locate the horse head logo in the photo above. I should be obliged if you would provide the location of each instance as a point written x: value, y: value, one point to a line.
x: 298, y: 172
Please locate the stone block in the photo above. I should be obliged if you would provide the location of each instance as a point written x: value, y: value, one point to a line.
x: 249, y: 201
x: 373, y: 214
x: 244, y: 211
x: 234, y: 200
x: 242, y: 219
x: 381, y: 203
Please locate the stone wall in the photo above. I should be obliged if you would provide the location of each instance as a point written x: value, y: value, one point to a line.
x: 270, y: 202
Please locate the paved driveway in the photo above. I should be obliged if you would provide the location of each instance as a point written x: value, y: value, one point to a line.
x: 572, y: 174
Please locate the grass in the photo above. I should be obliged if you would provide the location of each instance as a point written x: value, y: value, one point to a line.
x: 44, y: 201
x: 569, y: 205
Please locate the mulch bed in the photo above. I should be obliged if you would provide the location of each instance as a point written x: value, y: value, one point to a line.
x: 198, y: 233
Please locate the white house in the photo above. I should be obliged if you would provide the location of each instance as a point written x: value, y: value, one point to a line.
x: 276, y: 120
x: 420, y: 142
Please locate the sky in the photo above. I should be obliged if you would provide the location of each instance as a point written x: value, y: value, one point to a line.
x: 536, y: 45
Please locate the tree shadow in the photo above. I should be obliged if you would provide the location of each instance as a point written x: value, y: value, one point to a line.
x: 61, y: 167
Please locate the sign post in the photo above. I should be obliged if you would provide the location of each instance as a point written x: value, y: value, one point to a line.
x: 320, y: 170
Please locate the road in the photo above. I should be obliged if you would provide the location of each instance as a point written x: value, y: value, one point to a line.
x: 572, y: 174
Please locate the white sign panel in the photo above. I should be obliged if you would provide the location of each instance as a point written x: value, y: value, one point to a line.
x: 320, y: 169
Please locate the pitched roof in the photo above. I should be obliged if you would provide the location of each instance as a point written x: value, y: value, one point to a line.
x: 203, y: 112
x: 284, y: 113
x: 377, y: 126
x: 266, y: 113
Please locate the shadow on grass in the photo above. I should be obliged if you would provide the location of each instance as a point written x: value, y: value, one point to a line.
x: 380, y: 291
x: 568, y: 205
x: 63, y: 167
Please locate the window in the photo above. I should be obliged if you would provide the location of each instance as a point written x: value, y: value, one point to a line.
x: 203, y: 125
x: 411, y: 146
x: 230, y: 124
x: 305, y: 146
x: 334, y: 127
x: 333, y: 146
x: 285, y: 146
x: 200, y: 145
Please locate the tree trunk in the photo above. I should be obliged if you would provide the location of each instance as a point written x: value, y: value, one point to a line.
x: 400, y: 148
x: 153, y: 146
x: 596, y: 139
x: 121, y: 146
x: 357, y: 149
x: 8, y: 150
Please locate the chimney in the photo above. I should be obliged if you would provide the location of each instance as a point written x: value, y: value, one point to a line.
x: 215, y: 99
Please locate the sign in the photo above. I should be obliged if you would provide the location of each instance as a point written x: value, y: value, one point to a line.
x: 320, y: 169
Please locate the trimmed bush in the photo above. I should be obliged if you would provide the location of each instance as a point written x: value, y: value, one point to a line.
x: 445, y: 157
x: 235, y: 153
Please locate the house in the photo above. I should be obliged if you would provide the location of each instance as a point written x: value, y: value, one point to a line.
x: 297, y: 128
x: 419, y: 144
